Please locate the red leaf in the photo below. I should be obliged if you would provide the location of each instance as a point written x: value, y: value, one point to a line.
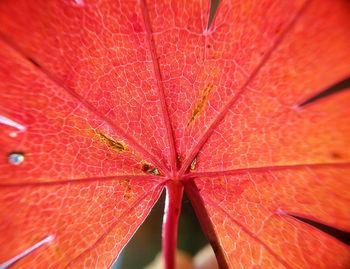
x: 105, y: 103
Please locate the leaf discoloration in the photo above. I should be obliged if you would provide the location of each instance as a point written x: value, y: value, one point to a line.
x: 117, y: 146
x: 149, y: 169
x: 193, y: 164
x: 336, y: 155
x: 179, y: 160
x: 57, y: 251
x: 201, y: 103
x: 127, y: 189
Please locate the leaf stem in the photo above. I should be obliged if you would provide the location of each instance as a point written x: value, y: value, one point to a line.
x: 173, y: 199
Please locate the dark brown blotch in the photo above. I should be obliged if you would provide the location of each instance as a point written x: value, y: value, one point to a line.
x: 201, y: 103
x: 336, y: 155
x: 127, y: 189
x: 149, y: 169
x: 118, y: 146
x: 193, y: 164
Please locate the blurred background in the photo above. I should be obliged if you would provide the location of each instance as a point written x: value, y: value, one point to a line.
x: 146, y: 243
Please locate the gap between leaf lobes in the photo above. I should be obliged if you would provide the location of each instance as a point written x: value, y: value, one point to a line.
x: 340, y: 235
x: 333, y: 89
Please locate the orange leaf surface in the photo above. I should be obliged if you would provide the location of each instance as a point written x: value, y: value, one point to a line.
x: 103, y: 104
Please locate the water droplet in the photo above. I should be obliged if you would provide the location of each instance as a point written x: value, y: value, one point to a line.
x: 16, y: 158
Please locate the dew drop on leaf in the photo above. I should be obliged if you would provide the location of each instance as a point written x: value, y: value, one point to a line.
x: 15, y: 158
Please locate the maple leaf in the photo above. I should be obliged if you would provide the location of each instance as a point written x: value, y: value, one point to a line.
x: 106, y: 103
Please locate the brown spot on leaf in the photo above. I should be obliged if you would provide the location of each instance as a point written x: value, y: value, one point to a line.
x: 57, y: 250
x: 145, y: 167
x: 149, y: 169
x: 193, y: 164
x: 217, y: 54
x: 118, y: 146
x: 336, y: 155
x: 201, y: 103
x: 179, y: 160
x: 35, y: 239
x: 128, y: 190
